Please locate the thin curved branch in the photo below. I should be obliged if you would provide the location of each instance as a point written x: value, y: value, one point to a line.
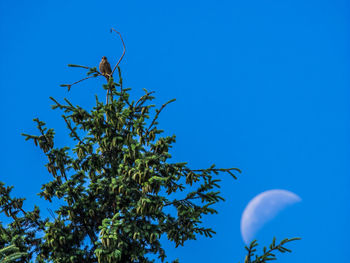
x: 70, y: 85
x: 143, y: 98
x: 157, y: 115
x: 72, y: 130
x: 120, y: 59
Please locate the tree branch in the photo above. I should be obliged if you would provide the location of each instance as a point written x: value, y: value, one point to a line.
x: 70, y: 85
x: 72, y: 130
x: 120, y: 59
x: 142, y: 99
x: 157, y: 114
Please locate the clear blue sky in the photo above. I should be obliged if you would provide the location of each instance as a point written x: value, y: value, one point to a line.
x: 262, y: 85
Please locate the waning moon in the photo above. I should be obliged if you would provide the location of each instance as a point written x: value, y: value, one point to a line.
x: 262, y: 208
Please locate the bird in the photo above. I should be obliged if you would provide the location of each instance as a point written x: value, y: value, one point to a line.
x: 105, y: 68
x: 106, y: 71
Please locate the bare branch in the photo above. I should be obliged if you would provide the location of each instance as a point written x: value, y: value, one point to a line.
x: 120, y: 59
x: 70, y: 85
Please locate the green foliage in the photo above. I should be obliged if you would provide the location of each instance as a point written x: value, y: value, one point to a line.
x: 268, y: 254
x: 119, y: 190
x: 10, y: 254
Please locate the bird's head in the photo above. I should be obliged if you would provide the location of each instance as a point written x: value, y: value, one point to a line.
x: 104, y: 58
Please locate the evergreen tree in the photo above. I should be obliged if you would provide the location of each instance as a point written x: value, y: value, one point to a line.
x: 118, y: 188
x: 10, y: 254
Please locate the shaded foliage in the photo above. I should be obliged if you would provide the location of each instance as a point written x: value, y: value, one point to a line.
x: 10, y: 254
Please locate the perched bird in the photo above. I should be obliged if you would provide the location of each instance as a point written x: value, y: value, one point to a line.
x: 105, y: 68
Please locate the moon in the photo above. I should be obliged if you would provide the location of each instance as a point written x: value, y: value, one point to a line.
x: 262, y: 208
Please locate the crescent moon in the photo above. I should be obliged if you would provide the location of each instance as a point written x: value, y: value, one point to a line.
x: 262, y: 208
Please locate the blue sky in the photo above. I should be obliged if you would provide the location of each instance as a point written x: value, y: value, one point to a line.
x: 260, y: 85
